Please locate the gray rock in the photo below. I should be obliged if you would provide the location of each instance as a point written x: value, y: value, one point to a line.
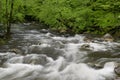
x: 108, y: 37
x: 117, y: 70
x: 17, y: 51
x: 35, y: 59
x: 86, y: 47
x: 86, y: 39
x: 95, y: 65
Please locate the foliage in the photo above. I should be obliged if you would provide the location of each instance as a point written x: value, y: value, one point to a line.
x: 95, y: 16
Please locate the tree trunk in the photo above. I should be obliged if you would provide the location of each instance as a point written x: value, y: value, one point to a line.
x: 0, y: 6
x: 9, y: 18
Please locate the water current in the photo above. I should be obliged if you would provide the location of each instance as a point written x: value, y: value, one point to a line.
x: 41, y: 55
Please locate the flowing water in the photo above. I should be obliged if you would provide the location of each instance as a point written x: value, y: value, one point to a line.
x: 42, y: 55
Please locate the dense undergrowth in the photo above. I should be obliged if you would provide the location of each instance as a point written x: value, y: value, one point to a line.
x: 78, y: 16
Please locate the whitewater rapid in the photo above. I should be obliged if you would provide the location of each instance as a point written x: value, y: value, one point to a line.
x: 46, y: 56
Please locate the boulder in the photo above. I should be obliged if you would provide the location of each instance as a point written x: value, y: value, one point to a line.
x: 107, y: 37
x: 35, y: 59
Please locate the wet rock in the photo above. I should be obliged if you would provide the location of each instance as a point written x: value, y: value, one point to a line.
x: 100, y: 54
x: 108, y: 37
x: 104, y: 60
x: 86, y: 39
x: 35, y: 59
x: 2, y: 61
x: 96, y: 40
x: 17, y: 51
x: 57, y: 44
x: 95, y: 65
x: 49, y: 51
x: 117, y: 70
x: 86, y: 47
x: 34, y: 49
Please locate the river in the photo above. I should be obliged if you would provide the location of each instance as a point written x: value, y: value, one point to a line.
x: 34, y: 54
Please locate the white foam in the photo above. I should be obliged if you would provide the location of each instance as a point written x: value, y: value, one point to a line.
x: 61, y: 68
x: 71, y: 71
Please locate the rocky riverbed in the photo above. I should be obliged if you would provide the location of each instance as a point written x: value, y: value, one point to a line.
x: 42, y: 55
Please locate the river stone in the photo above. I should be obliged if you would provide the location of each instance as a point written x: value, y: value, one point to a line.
x: 100, y: 54
x: 49, y: 51
x: 35, y: 59
x: 86, y: 39
x: 108, y: 37
x: 85, y: 47
x: 117, y: 70
x: 57, y: 44
x: 15, y: 50
x: 95, y: 65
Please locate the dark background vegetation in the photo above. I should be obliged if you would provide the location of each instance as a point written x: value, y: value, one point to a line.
x: 77, y: 16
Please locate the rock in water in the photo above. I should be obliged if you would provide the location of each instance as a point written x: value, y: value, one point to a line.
x: 17, y: 51
x: 108, y: 37
x: 86, y: 39
x: 35, y: 59
x: 117, y: 70
x: 85, y: 46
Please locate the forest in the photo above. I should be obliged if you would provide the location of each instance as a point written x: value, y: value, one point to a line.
x: 77, y: 16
